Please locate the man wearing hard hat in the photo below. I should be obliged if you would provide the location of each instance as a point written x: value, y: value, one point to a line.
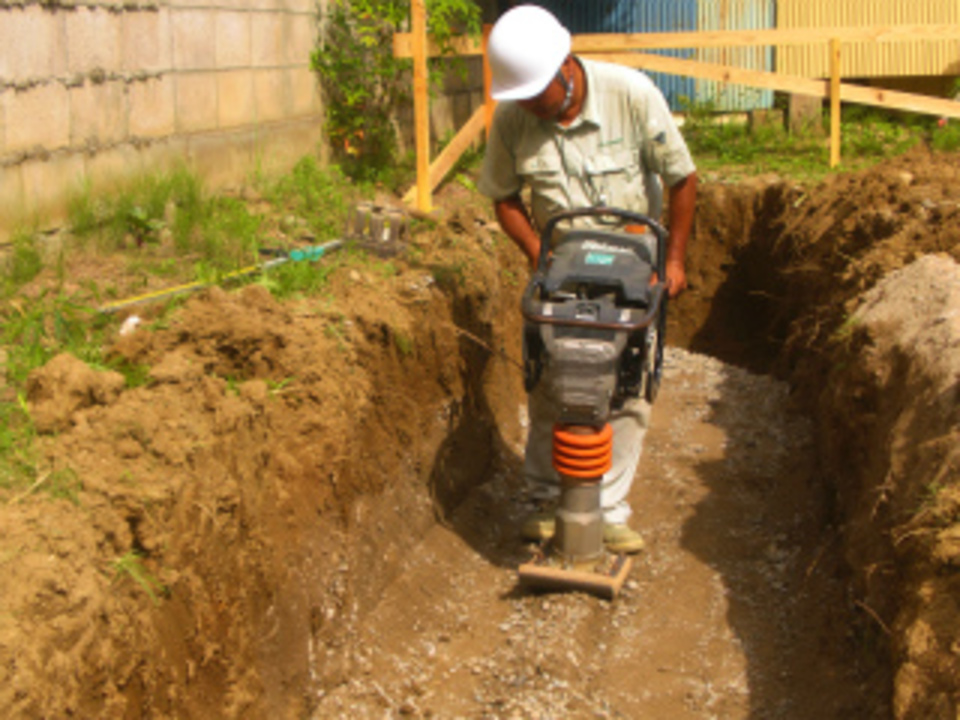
x: 579, y: 133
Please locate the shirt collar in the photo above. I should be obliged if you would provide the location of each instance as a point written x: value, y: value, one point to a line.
x: 590, y: 112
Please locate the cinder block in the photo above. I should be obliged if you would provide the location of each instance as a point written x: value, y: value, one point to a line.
x: 196, y: 102
x: 267, y: 41
x: 164, y: 156
x: 300, y: 33
x: 93, y: 40
x: 305, y: 90
x: 307, y: 7
x: 48, y: 185
x: 98, y: 113
x: 3, y: 122
x: 235, y: 99
x: 285, y: 144
x: 39, y: 116
x: 262, y: 5
x: 32, y: 43
x: 113, y: 168
x: 222, y: 159
x: 12, y: 206
x: 272, y: 93
x: 152, y: 106
x: 233, y: 39
x: 146, y: 41
x: 194, y: 39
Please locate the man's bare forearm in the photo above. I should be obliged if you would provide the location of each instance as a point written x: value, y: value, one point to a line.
x: 515, y: 222
x: 683, y: 201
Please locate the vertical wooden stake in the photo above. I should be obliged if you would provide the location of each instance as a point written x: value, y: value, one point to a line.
x: 489, y: 103
x: 834, y: 102
x: 421, y: 103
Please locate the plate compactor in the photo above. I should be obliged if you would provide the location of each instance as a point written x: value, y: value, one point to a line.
x: 594, y: 322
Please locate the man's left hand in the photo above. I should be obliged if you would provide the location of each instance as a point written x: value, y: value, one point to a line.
x: 676, y: 278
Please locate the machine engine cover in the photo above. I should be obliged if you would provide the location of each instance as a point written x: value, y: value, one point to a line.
x: 583, y: 259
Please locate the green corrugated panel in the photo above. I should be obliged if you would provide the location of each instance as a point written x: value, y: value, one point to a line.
x: 735, y: 15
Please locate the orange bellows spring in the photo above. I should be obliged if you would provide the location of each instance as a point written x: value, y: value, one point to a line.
x: 582, y: 451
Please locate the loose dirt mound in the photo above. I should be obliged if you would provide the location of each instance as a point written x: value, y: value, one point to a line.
x: 206, y: 539
x: 221, y: 525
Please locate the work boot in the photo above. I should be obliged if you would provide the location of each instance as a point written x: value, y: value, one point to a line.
x: 539, y: 526
x: 619, y: 538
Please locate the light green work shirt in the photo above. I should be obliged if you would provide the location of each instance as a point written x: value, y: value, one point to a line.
x: 614, y: 153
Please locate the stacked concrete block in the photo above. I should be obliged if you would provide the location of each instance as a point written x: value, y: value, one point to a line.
x: 96, y: 93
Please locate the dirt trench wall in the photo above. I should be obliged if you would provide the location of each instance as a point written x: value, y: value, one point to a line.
x: 891, y: 415
x: 260, y: 488
x: 848, y: 289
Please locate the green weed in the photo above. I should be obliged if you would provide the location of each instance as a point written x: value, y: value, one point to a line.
x: 64, y: 485
x: 18, y: 464
x: 131, y: 566
x: 403, y: 343
x: 23, y: 264
x: 321, y: 196
x: 298, y: 279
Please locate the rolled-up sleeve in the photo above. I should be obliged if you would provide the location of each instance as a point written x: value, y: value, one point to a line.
x: 498, y: 176
x: 664, y: 151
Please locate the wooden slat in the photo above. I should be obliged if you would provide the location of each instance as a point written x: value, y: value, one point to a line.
x: 451, y: 153
x: 421, y: 103
x: 617, y: 42
x: 834, y: 102
x: 488, y: 102
x: 877, y: 97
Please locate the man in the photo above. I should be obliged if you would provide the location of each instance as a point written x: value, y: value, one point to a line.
x: 579, y: 133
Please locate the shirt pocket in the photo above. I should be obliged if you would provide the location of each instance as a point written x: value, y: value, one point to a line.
x: 615, y: 179
x: 540, y: 170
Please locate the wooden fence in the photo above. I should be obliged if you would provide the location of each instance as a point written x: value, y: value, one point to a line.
x: 624, y: 48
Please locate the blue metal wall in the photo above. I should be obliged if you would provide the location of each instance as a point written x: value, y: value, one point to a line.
x: 630, y: 16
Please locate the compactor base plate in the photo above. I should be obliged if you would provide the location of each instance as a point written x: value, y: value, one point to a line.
x: 603, y: 578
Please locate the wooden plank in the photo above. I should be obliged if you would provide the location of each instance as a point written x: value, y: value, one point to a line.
x: 489, y: 103
x: 617, y: 42
x: 421, y: 103
x: 452, y: 152
x: 877, y: 97
x: 834, y: 102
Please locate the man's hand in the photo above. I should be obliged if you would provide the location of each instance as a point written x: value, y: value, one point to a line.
x: 676, y: 278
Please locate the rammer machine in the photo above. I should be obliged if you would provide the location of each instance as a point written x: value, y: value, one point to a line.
x: 594, y: 323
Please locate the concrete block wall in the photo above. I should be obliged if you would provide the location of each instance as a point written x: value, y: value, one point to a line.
x: 95, y: 91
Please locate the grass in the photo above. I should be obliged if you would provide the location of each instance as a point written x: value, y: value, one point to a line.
x: 868, y: 136
x: 164, y: 227
x: 131, y: 566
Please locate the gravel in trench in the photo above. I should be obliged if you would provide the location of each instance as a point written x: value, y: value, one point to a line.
x: 732, y: 611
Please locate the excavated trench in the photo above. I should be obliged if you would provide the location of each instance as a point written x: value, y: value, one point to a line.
x: 328, y: 494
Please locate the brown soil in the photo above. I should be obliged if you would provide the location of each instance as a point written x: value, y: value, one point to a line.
x: 324, y: 492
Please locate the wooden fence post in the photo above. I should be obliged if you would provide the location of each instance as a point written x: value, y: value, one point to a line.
x: 421, y: 103
x: 489, y: 104
x: 834, y: 102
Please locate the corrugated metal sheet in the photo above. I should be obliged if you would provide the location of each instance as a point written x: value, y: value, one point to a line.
x: 870, y: 59
x: 625, y: 16
x: 736, y: 15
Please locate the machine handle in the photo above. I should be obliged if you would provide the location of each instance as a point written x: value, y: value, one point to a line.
x: 531, y: 310
x: 632, y: 217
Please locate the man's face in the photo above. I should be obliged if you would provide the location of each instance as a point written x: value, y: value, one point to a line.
x: 548, y: 104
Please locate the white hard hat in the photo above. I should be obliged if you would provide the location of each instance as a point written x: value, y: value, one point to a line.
x: 527, y: 46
